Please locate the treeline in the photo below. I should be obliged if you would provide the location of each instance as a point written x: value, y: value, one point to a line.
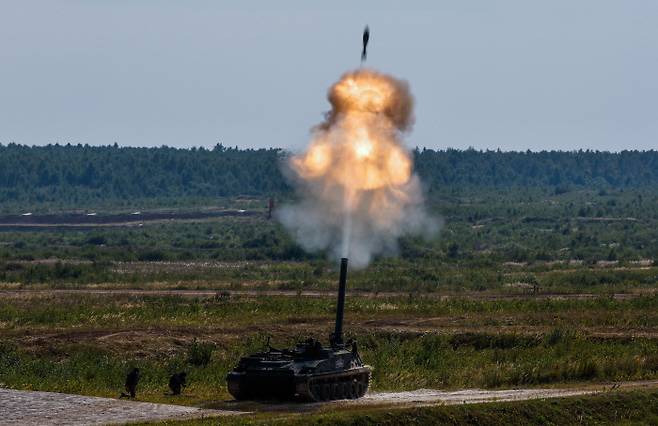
x: 80, y: 175
x: 559, y: 169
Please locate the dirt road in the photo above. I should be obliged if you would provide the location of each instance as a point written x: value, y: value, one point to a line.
x: 92, y: 220
x: 423, y: 397
x: 48, y: 408
x: 27, y: 408
x: 319, y: 293
x: 429, y: 397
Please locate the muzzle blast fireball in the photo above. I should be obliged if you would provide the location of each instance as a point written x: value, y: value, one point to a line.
x: 358, y: 192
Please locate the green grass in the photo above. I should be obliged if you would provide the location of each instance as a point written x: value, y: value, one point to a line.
x: 66, y: 344
x: 85, y: 344
x: 399, y: 275
x: 401, y: 362
x: 483, y: 230
x: 101, y: 311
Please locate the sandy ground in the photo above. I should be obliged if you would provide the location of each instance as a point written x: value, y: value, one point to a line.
x: 48, y: 408
x: 429, y: 397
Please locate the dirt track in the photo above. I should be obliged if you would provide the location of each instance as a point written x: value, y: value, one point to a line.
x: 425, y: 397
x: 321, y: 293
x: 429, y: 397
x: 87, y: 220
x: 48, y: 408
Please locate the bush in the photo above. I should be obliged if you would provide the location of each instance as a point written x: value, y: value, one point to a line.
x: 8, y: 356
x: 199, y: 354
x: 96, y: 240
x: 152, y: 256
x: 481, y: 341
x: 558, y: 335
x: 587, y: 369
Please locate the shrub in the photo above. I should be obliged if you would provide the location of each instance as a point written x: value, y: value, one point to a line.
x: 200, y: 353
x: 558, y: 335
x: 152, y: 256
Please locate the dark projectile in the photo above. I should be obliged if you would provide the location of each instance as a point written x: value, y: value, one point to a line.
x: 366, y: 37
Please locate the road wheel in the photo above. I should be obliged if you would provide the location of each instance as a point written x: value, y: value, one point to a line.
x: 326, y: 392
x: 362, y: 386
x: 316, y: 392
x: 337, y: 391
x: 347, y: 390
x: 354, y: 389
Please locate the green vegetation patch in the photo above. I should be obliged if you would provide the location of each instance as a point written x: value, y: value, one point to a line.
x: 85, y: 344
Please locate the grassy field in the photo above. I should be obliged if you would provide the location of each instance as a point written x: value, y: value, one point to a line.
x: 521, y: 289
x: 505, y: 241
x: 85, y: 343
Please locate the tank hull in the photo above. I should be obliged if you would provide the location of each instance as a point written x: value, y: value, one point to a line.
x: 307, y: 372
x: 346, y: 384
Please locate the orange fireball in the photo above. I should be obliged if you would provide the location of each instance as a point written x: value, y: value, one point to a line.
x: 359, y: 148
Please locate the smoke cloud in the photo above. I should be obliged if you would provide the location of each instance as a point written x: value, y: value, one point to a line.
x: 358, y: 192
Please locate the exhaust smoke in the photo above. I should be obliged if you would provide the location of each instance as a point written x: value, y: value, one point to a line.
x: 358, y: 190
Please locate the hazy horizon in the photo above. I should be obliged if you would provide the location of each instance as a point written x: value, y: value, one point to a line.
x: 508, y: 75
x: 295, y: 149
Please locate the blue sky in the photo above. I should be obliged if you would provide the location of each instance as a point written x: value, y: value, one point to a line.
x: 513, y: 75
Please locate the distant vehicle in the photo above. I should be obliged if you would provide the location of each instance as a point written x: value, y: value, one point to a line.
x: 27, y: 214
x: 241, y: 211
x: 136, y: 213
x: 91, y: 214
